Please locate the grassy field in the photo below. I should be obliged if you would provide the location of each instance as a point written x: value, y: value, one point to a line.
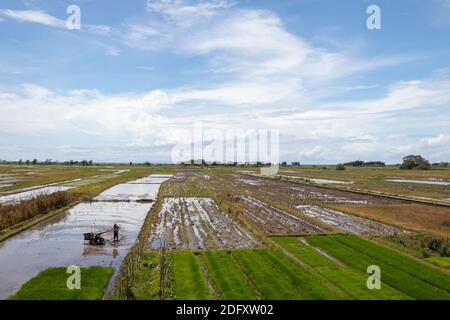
x: 279, y: 277
x: 443, y: 262
x: 405, y: 274
x: 50, y: 284
x: 374, y: 179
x: 230, y: 281
x: 350, y: 280
x: 188, y: 278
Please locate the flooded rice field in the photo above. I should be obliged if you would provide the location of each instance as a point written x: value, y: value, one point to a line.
x: 154, y: 179
x: 272, y: 220
x: 130, y: 192
x: 145, y: 189
x: 66, y: 183
x: 301, y: 191
x: 327, y: 181
x: 198, y: 223
x: 430, y: 181
x: 27, y: 195
x: 59, y: 242
x: 349, y: 223
x: 316, y: 180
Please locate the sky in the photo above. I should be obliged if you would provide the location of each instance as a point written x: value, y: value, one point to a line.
x: 138, y: 76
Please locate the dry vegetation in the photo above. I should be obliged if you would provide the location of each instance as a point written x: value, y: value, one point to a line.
x: 414, y: 216
x: 13, y: 214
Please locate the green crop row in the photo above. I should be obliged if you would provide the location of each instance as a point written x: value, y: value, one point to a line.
x: 226, y: 276
x: 348, y: 279
x: 51, y: 284
x: 391, y: 275
x: 413, y: 267
x: 279, y: 277
x: 188, y: 277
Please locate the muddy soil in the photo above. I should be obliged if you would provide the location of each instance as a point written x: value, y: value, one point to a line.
x: 350, y: 223
x: 303, y: 191
x: 272, y: 220
x: 198, y: 223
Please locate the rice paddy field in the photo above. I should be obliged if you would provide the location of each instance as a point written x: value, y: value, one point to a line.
x: 202, y: 233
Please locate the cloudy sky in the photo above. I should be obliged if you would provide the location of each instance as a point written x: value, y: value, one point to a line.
x: 139, y: 74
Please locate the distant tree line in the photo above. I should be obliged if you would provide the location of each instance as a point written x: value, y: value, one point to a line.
x: 360, y: 163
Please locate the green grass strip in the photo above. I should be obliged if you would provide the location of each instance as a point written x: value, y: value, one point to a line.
x: 279, y: 277
x: 189, y: 280
x: 390, y: 275
x: 51, y: 284
x: 227, y: 277
x: 443, y: 262
x: 418, y: 269
x: 348, y: 279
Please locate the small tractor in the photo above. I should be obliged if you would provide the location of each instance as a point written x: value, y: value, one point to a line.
x: 95, y: 239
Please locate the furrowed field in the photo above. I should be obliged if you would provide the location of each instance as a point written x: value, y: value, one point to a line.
x: 228, y: 233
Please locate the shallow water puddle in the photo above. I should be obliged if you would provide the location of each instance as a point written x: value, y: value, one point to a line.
x: 326, y: 181
x: 349, y: 223
x: 434, y: 182
x: 153, y: 179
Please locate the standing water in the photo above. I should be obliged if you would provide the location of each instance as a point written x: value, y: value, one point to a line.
x: 58, y: 242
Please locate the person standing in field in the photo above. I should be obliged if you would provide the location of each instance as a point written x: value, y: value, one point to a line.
x: 116, y: 232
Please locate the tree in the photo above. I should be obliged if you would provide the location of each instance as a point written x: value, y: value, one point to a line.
x: 34, y: 161
x: 340, y: 166
x: 284, y: 163
x: 415, y: 162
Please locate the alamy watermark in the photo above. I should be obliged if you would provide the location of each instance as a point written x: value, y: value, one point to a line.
x: 73, y: 22
x: 74, y: 280
x: 374, y: 280
x: 229, y: 146
x: 374, y: 20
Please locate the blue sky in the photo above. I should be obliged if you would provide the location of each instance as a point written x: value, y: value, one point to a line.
x: 138, y: 74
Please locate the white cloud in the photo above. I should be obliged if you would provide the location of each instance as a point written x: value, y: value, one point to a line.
x: 43, y: 18
x: 34, y: 16
x: 314, y: 152
x: 441, y: 140
x: 185, y: 11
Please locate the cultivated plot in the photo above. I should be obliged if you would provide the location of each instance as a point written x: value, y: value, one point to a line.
x: 349, y: 223
x: 272, y: 220
x: 145, y: 189
x: 413, y: 278
x: 198, y: 223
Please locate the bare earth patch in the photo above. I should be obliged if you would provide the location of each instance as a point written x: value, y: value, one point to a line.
x: 198, y: 223
x: 272, y: 220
